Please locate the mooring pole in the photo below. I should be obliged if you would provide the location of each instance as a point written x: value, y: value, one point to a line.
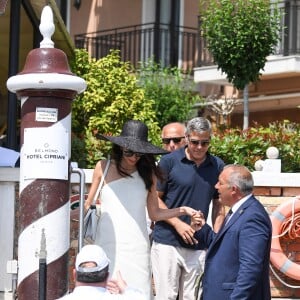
x: 46, y: 88
x: 43, y: 268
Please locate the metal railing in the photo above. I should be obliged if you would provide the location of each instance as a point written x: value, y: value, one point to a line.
x: 290, y: 34
x: 170, y: 46
x: 184, y: 47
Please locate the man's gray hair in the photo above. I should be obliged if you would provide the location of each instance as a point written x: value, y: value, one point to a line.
x: 241, y: 177
x: 198, y: 125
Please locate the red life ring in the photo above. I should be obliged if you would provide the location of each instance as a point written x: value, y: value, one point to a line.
x: 74, y: 200
x: 277, y: 257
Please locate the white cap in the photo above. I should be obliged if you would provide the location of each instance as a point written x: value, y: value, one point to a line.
x: 92, y: 253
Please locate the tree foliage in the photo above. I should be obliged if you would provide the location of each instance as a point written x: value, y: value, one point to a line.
x: 240, y: 35
x: 171, y: 90
x: 112, y: 97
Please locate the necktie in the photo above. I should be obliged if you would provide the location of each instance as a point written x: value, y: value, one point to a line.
x: 228, y: 216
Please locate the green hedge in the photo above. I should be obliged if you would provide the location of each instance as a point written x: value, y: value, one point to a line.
x: 245, y: 147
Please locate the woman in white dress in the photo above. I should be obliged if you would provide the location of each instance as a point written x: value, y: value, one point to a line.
x: 129, y: 188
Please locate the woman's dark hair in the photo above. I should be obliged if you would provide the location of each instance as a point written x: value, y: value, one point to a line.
x: 146, y: 166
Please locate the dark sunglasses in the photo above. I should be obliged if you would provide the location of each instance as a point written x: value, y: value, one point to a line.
x: 175, y: 140
x: 129, y: 153
x: 203, y: 143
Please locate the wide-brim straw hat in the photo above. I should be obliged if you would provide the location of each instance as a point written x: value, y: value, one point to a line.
x: 134, y: 137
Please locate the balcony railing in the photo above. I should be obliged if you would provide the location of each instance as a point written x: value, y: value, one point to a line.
x: 290, y: 24
x: 169, y: 46
x: 183, y: 47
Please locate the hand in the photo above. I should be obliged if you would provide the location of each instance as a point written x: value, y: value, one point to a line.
x: 186, y: 232
x: 197, y: 220
x: 188, y: 210
x: 116, y: 285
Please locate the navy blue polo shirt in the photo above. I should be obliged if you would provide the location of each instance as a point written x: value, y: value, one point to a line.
x: 185, y: 185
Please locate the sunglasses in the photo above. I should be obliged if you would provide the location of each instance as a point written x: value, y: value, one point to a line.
x: 203, y: 143
x: 176, y: 140
x: 129, y: 153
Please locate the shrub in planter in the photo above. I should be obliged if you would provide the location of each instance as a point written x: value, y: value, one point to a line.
x: 245, y: 147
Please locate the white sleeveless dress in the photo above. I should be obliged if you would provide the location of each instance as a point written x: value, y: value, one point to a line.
x: 122, y: 231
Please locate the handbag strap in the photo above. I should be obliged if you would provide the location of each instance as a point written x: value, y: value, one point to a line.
x: 101, y: 181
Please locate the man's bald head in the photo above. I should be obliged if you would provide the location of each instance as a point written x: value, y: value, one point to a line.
x: 173, y: 136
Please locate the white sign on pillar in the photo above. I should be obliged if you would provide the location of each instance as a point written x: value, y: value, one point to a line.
x: 45, y: 153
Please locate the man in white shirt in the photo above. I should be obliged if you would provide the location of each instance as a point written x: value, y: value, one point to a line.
x: 91, y: 278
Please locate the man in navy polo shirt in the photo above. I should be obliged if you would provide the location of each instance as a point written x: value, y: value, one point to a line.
x: 190, y: 176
